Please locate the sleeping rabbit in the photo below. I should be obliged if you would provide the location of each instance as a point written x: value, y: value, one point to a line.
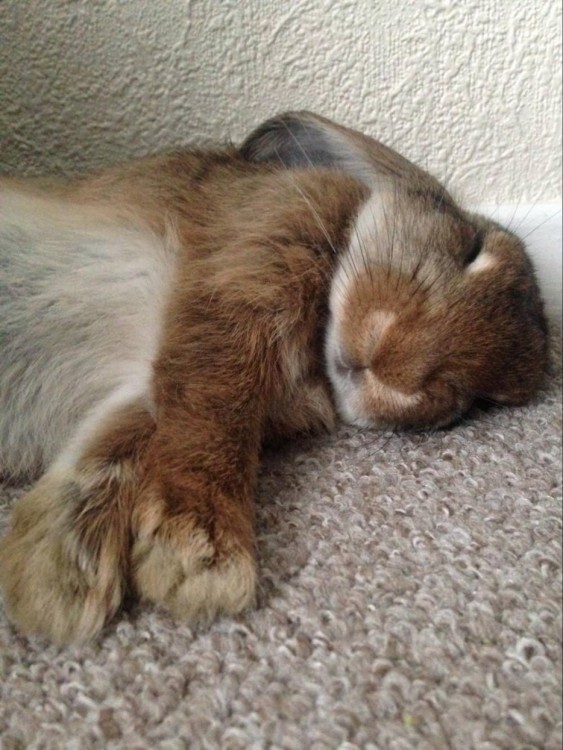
x: 161, y: 320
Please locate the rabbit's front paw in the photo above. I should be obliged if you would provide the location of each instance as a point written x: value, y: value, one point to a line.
x: 62, y: 562
x: 196, y: 575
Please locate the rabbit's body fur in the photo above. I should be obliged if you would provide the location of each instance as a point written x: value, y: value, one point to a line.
x: 159, y: 321
x: 81, y: 308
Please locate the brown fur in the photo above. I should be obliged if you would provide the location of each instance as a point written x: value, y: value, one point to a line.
x: 161, y: 499
x: 454, y: 332
x: 64, y: 565
x: 170, y: 510
x: 253, y: 309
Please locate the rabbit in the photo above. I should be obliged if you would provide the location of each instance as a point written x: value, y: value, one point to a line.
x: 161, y: 320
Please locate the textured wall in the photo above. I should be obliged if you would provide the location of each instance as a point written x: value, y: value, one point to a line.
x: 471, y: 88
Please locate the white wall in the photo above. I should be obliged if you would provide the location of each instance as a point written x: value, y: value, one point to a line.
x: 470, y: 88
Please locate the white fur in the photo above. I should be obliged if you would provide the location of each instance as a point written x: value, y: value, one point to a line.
x: 349, y: 156
x: 81, y: 305
x: 352, y: 398
x: 483, y: 262
x: 363, y: 248
x: 368, y: 245
x: 135, y: 388
x: 356, y: 392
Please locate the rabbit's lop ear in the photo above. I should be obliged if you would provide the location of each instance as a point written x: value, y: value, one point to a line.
x: 303, y: 139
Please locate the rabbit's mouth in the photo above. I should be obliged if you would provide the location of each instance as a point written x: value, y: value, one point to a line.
x: 365, y: 400
x: 346, y: 368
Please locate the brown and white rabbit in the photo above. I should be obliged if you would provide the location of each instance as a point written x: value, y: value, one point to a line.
x: 159, y: 321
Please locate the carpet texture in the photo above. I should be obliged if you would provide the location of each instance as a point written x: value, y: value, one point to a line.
x: 410, y: 598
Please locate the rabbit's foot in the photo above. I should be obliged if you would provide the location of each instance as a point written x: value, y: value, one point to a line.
x: 62, y: 564
x: 195, y: 574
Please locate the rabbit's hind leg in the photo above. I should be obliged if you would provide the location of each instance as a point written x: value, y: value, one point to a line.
x: 64, y: 562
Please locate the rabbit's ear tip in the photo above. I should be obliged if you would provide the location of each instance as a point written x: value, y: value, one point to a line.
x: 291, y: 139
x: 302, y: 139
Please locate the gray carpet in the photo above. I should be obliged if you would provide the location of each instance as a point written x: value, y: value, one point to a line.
x: 410, y: 598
